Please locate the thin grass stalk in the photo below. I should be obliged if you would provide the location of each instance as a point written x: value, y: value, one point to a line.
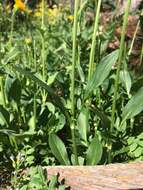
x: 119, y: 63
x: 2, y: 92
x: 43, y: 49
x: 12, y: 26
x: 43, y: 14
x: 74, y: 56
x: 1, y: 83
x: 43, y: 58
x: 92, y: 51
x: 34, y: 56
x: 34, y: 111
x: 43, y: 41
x: 121, y: 50
x: 133, y: 40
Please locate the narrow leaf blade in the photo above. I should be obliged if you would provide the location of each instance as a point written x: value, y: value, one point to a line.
x: 101, y: 73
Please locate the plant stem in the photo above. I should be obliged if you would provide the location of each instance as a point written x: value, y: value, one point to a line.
x: 34, y: 57
x: 2, y: 91
x: 34, y: 111
x: 12, y: 26
x: 1, y: 83
x: 92, y: 52
x: 43, y: 58
x: 74, y: 50
x: 43, y: 14
x: 43, y: 49
x: 133, y: 40
x: 125, y: 21
x: 43, y: 40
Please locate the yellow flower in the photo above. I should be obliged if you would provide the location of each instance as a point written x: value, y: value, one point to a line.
x: 53, y: 15
x: 20, y: 5
x: 70, y: 17
x: 38, y: 14
x: 28, y: 41
x: 53, y: 12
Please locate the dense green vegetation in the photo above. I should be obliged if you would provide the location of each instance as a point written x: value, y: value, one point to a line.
x: 66, y: 97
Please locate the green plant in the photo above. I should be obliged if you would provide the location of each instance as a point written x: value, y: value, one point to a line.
x: 51, y: 111
x: 39, y: 180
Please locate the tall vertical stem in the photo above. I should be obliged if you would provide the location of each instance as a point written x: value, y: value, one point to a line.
x: 74, y: 50
x: 43, y: 40
x: 34, y: 111
x: 43, y: 49
x: 12, y: 26
x: 1, y: 81
x: 2, y: 92
x: 125, y: 21
x: 92, y: 51
x: 43, y: 14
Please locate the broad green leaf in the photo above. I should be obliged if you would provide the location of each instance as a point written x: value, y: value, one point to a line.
x: 134, y: 106
x: 126, y: 80
x: 83, y: 124
x: 58, y: 149
x: 101, y: 73
x: 94, y: 152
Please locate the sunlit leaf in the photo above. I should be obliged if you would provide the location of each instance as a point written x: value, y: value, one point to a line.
x: 58, y: 149
x: 83, y: 124
x: 13, y: 53
x: 101, y: 73
x: 134, y: 106
x: 126, y: 80
x: 94, y: 152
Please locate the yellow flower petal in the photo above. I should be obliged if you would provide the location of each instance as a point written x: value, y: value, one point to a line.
x: 19, y: 5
